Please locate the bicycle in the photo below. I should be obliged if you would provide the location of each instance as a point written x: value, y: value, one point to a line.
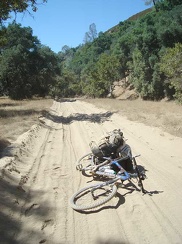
x: 93, y: 196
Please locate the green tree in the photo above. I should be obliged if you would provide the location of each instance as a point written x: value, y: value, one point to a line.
x: 16, y: 6
x: 3, y: 39
x: 154, y: 2
x: 14, y: 73
x: 171, y: 66
x: 101, y: 76
x: 26, y: 66
x: 169, y: 27
x: 157, y: 84
x: 66, y: 85
x: 108, y: 69
x: 15, y: 61
x: 164, y: 5
x: 91, y: 34
x: 137, y: 73
x: 45, y: 70
x: 135, y: 46
x: 102, y: 43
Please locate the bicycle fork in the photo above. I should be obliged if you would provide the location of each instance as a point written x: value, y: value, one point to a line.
x: 110, y: 182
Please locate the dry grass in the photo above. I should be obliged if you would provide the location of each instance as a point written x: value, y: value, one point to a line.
x: 16, y: 117
x: 165, y: 115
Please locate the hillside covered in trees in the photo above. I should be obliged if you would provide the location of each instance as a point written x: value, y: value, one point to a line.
x: 147, y: 48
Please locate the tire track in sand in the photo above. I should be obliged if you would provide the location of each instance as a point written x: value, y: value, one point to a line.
x: 130, y: 217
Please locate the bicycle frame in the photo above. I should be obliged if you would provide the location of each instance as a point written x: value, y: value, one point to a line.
x: 104, y: 184
x: 93, y: 196
x: 96, y: 170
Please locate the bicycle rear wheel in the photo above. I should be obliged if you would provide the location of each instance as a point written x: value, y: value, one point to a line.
x: 85, y: 164
x: 92, y: 196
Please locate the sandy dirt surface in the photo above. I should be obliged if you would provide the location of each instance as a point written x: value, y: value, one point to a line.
x: 38, y: 177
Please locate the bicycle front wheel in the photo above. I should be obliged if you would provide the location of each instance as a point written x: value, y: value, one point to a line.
x: 92, y: 196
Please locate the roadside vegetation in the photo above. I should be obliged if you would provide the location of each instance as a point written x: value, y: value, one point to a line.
x: 146, y: 48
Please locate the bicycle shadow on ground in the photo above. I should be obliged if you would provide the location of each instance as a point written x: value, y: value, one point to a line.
x: 151, y: 193
x: 121, y: 200
x: 129, y: 188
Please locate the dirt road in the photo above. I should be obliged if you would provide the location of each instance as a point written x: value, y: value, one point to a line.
x: 37, y: 183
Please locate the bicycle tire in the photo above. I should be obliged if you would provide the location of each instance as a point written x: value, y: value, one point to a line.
x: 85, y: 161
x: 79, y: 201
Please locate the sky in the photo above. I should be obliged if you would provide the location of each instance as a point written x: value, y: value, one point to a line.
x: 65, y: 22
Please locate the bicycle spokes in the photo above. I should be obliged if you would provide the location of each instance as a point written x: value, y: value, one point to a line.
x: 92, y: 196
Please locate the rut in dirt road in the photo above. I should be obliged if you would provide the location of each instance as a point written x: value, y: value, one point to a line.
x: 37, y: 185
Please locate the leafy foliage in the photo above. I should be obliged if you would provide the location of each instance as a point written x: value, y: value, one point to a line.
x: 27, y: 68
x: 171, y: 66
x: 8, y: 6
x: 143, y: 47
x: 91, y: 34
